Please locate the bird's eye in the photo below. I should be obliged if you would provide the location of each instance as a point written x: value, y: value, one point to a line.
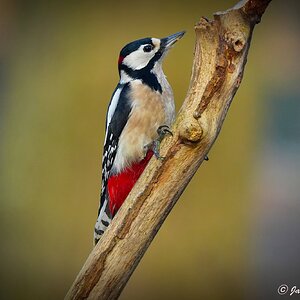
x: 148, y: 48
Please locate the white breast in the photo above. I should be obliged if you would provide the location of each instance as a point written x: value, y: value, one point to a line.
x: 167, y: 94
x: 150, y: 109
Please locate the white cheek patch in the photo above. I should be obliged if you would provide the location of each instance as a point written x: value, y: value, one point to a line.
x: 138, y: 59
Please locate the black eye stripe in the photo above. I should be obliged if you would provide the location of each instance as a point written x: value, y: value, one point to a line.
x: 148, y: 48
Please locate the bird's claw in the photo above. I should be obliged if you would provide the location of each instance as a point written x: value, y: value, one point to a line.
x: 162, y: 131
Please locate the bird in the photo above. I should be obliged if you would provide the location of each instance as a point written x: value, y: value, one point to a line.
x: 139, y: 115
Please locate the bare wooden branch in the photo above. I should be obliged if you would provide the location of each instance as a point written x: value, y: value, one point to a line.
x: 220, y: 56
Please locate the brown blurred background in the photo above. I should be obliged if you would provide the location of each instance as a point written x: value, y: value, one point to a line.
x: 235, y: 232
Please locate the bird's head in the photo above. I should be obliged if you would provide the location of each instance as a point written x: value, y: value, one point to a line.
x: 140, y: 57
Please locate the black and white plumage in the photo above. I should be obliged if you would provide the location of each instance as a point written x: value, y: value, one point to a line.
x: 142, y: 101
x: 116, y: 118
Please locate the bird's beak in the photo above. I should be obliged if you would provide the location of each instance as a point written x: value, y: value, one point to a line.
x: 169, y: 41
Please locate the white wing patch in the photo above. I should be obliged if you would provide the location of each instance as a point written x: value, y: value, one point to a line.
x: 112, y: 107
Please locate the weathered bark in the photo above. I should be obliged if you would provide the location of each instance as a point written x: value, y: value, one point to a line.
x: 220, y: 57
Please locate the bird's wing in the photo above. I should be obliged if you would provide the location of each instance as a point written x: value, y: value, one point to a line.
x: 117, y: 116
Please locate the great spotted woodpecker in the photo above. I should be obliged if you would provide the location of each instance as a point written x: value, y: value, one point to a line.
x: 139, y: 115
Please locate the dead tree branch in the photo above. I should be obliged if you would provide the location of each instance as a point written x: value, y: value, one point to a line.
x: 221, y: 50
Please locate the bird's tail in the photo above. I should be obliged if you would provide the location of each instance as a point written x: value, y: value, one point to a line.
x: 117, y: 189
x: 103, y: 220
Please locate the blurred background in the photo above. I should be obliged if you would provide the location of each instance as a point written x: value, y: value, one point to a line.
x: 241, y: 212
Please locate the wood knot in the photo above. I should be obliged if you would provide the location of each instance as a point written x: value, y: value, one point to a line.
x: 236, y: 39
x: 190, y: 130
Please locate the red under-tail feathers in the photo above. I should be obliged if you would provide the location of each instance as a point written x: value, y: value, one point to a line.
x: 120, y: 185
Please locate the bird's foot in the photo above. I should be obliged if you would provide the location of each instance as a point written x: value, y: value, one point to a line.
x: 162, y: 131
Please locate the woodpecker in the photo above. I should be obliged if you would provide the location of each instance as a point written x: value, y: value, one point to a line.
x: 140, y: 113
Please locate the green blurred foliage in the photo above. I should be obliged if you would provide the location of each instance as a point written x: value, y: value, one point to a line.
x: 58, y: 65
